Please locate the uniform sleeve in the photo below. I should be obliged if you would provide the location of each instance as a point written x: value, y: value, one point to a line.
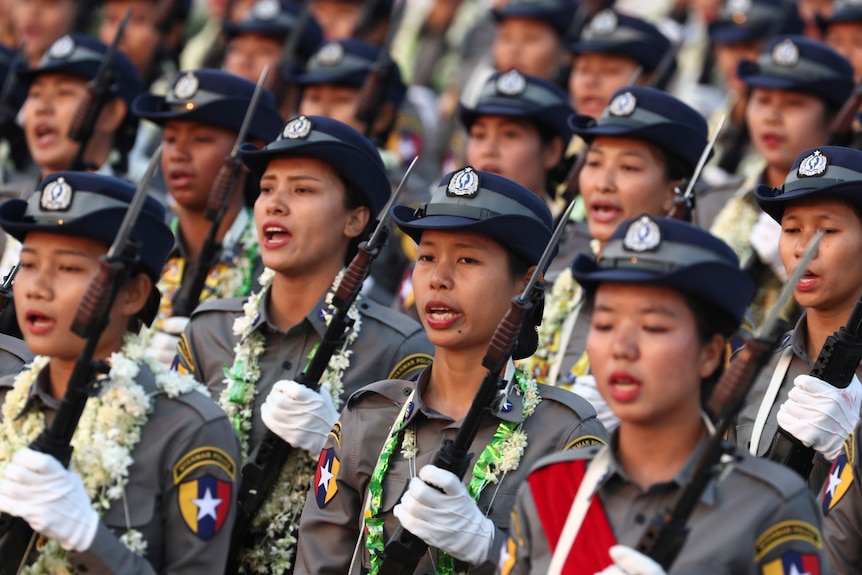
x: 842, y: 508
x: 790, y: 540
x: 411, y: 357
x: 526, y: 544
x: 195, y: 510
x: 329, y: 527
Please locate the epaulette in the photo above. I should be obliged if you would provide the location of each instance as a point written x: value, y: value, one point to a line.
x: 16, y: 347
x: 394, y: 390
x: 566, y: 456
x: 231, y: 304
x: 769, y: 473
x: 403, y: 324
x: 208, y: 409
x: 571, y: 400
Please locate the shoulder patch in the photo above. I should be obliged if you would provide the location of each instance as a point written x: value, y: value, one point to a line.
x: 838, y: 483
x: 201, y: 456
x: 403, y: 324
x: 394, y: 390
x: 793, y: 563
x: 184, y: 353
x: 326, y: 477
x: 585, y: 441
x: 335, y: 433
x: 792, y: 530
x: 205, y: 504
x: 231, y: 304
x: 410, y: 363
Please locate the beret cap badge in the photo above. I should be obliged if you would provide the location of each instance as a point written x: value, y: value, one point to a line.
x: 332, y: 54
x: 642, y: 235
x: 604, y: 23
x: 186, y: 86
x: 266, y: 9
x: 62, y: 48
x: 785, y: 53
x: 512, y: 83
x: 623, y: 105
x: 297, y: 129
x: 56, y: 196
x: 813, y: 165
x: 463, y: 184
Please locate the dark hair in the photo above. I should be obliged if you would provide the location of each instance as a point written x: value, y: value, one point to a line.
x: 148, y: 313
x: 352, y: 200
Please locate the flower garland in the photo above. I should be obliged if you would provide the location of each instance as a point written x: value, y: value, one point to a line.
x: 558, y: 305
x: 108, y: 431
x: 502, y: 455
x: 278, y: 518
x: 230, y: 277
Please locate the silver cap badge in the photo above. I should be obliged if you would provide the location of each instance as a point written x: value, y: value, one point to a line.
x: 464, y: 184
x: 642, y: 235
x: 56, y: 196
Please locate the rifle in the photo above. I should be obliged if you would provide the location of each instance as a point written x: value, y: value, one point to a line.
x: 98, y: 91
x: 683, y: 204
x: 16, y: 536
x: 286, y: 93
x: 8, y: 321
x: 404, y: 550
x: 264, y: 464
x: 195, y: 275
x: 370, y: 97
x: 836, y: 365
x: 841, y: 131
x: 667, y: 532
x: 7, y: 110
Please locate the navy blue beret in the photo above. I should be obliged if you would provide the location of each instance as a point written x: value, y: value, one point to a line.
x: 744, y: 20
x: 88, y: 205
x: 827, y: 171
x: 651, y: 115
x: 350, y: 154
x: 347, y: 62
x: 798, y: 64
x: 212, y: 97
x: 19, y: 92
x: 274, y: 18
x: 610, y: 32
x: 522, y: 96
x: 180, y: 10
x: 671, y: 253
x: 487, y: 204
x: 844, y: 11
x: 81, y: 55
x: 556, y: 13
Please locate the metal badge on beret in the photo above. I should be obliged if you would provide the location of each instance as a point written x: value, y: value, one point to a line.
x: 266, y: 9
x: 623, y: 105
x: 642, y: 235
x: 56, y: 196
x: 604, y: 23
x: 785, y: 53
x: 512, y: 83
x: 812, y: 165
x: 62, y: 48
x: 463, y: 184
x: 331, y: 54
x: 297, y: 129
x: 739, y: 9
x: 186, y: 86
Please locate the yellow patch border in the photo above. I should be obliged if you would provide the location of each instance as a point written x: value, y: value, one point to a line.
x: 410, y: 363
x: 584, y: 441
x: 335, y: 433
x: 185, y: 352
x: 850, y: 447
x: 792, y: 530
x: 204, y: 456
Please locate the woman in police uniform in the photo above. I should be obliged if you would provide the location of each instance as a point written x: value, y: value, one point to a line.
x: 480, y: 237
x: 666, y: 295
x: 150, y: 488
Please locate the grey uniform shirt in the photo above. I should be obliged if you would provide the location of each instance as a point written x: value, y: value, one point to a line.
x: 332, y: 519
x: 842, y: 509
x: 187, y: 445
x: 13, y: 354
x: 758, y: 516
x: 800, y: 363
x: 389, y: 345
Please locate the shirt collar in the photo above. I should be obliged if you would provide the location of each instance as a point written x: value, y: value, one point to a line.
x: 315, y: 317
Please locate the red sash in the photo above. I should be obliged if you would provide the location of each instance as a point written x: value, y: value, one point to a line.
x: 554, y: 489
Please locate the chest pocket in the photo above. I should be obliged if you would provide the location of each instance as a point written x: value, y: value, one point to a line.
x: 394, y: 486
x: 141, y: 505
x: 501, y: 509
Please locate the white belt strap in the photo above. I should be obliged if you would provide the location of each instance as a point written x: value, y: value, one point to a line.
x: 597, y: 468
x: 769, y: 398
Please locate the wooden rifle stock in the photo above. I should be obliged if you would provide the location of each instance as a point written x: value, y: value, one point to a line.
x: 841, y: 132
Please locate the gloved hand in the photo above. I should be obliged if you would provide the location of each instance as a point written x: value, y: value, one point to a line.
x: 585, y: 386
x: 163, y: 345
x: 437, y: 509
x: 298, y: 415
x: 627, y: 561
x: 820, y: 415
x: 49, y: 497
x: 764, y: 239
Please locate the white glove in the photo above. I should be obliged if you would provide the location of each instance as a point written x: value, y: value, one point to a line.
x: 585, y: 386
x: 51, y: 498
x: 300, y: 416
x: 163, y: 345
x: 627, y: 561
x: 764, y: 239
x: 437, y: 509
x: 820, y: 415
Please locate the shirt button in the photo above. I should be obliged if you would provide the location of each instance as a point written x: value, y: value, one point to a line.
x: 640, y: 519
x: 286, y: 365
x: 406, y: 391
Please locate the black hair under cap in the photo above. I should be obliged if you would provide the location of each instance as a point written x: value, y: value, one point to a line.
x: 827, y: 171
x: 670, y: 253
x: 88, y: 205
x: 485, y: 203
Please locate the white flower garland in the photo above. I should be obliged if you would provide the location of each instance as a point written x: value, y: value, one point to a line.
x: 278, y: 518
x: 109, y: 429
x: 558, y: 305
